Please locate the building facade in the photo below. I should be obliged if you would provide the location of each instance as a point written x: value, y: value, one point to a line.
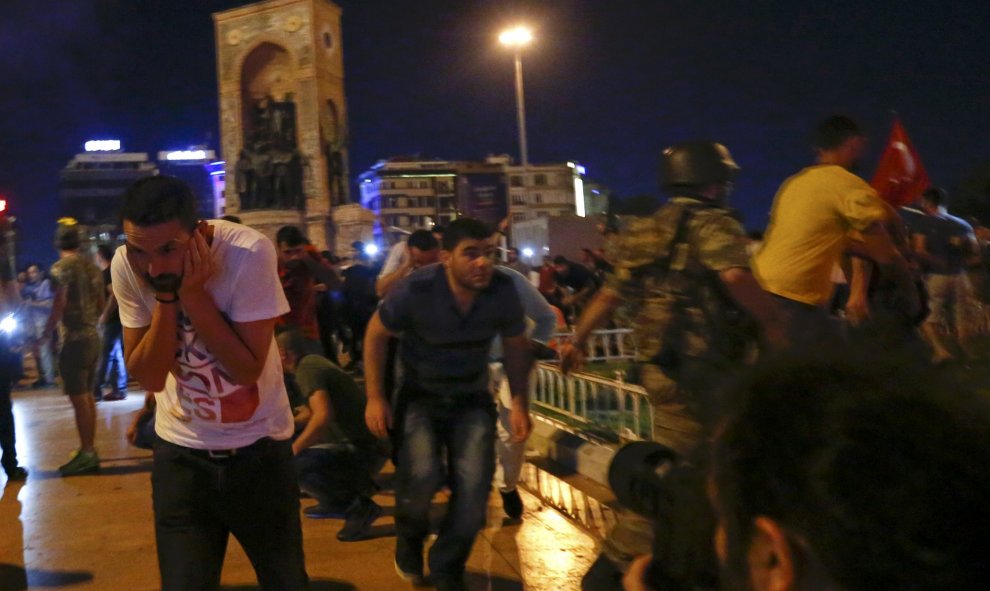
x: 195, y: 167
x: 548, y: 190
x: 91, y: 185
x: 411, y: 193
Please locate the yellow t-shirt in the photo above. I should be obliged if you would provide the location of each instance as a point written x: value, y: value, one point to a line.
x: 811, y: 219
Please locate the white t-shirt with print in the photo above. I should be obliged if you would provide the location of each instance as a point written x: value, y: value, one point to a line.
x: 201, y: 407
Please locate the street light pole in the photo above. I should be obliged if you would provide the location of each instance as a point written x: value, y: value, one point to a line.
x: 517, y: 38
x: 521, y: 112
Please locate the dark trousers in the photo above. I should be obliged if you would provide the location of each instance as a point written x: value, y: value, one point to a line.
x: 336, y: 474
x: 465, y: 430
x: 112, y: 369
x: 807, y: 326
x: 200, y: 501
x: 8, y: 440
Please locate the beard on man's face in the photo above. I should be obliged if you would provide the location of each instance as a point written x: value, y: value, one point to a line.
x: 165, y: 283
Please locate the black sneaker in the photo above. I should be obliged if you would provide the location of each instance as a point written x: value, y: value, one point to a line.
x: 409, y: 560
x: 16, y: 473
x: 512, y: 504
x: 361, y: 514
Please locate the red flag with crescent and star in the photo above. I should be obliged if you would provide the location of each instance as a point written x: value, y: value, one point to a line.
x: 901, y: 177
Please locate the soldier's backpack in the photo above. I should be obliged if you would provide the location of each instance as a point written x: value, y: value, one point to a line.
x: 733, y: 330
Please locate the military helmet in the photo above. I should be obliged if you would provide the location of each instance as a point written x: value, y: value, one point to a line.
x: 696, y: 164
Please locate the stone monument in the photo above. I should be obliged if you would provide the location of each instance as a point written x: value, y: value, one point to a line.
x: 283, y: 120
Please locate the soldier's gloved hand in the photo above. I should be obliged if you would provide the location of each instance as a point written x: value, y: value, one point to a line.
x: 571, y: 358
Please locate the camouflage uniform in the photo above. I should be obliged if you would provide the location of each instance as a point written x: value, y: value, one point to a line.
x: 688, y: 336
x: 80, y: 351
x: 687, y: 333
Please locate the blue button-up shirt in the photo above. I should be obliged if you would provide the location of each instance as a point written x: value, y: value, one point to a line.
x: 445, y: 352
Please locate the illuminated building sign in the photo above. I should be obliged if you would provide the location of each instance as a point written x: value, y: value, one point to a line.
x: 102, y: 146
x: 186, y: 155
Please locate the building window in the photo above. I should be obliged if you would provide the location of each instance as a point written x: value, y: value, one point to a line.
x: 542, y: 214
x: 540, y: 180
x: 430, y: 202
x: 518, y: 217
x: 515, y: 181
x: 537, y: 197
x: 443, y: 186
x: 424, y: 184
x: 518, y: 200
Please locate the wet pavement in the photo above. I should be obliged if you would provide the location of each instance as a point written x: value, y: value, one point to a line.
x: 96, y: 532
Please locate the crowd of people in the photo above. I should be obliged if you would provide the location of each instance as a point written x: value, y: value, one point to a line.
x: 814, y: 470
x: 764, y: 455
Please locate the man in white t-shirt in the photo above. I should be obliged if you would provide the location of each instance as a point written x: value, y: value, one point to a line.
x: 198, y: 303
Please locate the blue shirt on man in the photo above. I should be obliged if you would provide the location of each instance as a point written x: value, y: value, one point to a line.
x: 946, y: 239
x: 445, y: 352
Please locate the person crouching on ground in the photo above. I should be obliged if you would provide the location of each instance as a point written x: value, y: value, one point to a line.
x: 336, y: 455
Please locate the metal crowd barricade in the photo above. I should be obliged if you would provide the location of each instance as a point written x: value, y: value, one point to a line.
x: 594, y: 406
x: 614, y: 344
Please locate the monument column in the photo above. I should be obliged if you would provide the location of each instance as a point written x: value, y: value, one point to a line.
x: 283, y: 118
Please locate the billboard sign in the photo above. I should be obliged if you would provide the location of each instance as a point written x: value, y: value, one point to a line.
x: 483, y: 196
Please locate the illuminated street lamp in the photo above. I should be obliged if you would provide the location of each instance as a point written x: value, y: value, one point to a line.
x: 517, y: 38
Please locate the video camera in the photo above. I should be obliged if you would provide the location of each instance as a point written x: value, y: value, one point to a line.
x: 652, y: 480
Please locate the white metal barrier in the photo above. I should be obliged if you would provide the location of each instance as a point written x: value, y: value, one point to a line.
x: 615, y: 344
x: 597, y: 407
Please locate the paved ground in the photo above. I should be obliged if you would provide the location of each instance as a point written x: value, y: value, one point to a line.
x: 95, y: 532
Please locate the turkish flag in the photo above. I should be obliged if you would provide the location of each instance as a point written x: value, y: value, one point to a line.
x: 901, y: 177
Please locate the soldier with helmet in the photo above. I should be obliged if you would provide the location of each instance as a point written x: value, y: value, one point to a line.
x: 698, y: 310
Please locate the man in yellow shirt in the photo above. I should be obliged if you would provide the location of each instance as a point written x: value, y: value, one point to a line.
x: 813, y: 216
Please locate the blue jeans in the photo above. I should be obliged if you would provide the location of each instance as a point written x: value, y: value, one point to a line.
x: 112, y: 369
x: 336, y: 474
x: 42, y: 348
x: 465, y: 430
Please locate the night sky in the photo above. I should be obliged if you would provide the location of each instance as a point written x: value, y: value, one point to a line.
x: 608, y: 82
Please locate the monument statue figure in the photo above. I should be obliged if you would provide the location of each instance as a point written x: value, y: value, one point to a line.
x: 269, y: 170
x: 244, y: 179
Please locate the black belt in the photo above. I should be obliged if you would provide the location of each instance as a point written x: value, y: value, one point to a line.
x: 259, y: 446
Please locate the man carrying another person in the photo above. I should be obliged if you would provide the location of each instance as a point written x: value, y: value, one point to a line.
x: 199, y: 302
x: 811, y: 222
x: 335, y: 454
